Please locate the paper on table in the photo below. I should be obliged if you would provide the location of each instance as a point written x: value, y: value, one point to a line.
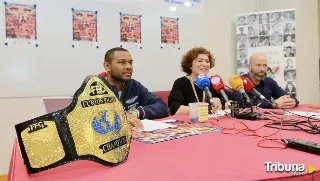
x: 220, y: 113
x: 302, y: 113
x: 150, y: 125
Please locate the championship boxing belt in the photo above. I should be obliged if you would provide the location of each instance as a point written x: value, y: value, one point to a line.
x: 93, y: 127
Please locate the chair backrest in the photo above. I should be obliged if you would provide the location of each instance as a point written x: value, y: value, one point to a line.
x: 55, y: 104
x: 163, y: 95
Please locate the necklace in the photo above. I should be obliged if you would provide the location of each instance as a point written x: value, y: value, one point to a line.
x: 194, y: 90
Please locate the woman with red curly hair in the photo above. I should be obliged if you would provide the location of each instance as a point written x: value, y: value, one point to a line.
x: 184, y: 91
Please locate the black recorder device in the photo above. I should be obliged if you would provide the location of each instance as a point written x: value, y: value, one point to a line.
x: 250, y: 115
x: 301, y: 145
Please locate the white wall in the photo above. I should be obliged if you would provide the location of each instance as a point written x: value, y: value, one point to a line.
x: 12, y: 112
x: 319, y: 42
x: 42, y: 71
x: 220, y: 39
x: 307, y: 36
x: 220, y: 33
x: 36, y: 72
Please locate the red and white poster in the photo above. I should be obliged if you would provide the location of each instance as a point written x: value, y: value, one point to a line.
x: 169, y: 30
x: 130, y: 28
x: 20, y: 21
x: 84, y: 25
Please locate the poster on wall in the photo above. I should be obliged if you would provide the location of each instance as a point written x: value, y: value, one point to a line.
x: 273, y: 34
x: 169, y: 32
x: 84, y: 27
x: 20, y: 24
x: 130, y: 30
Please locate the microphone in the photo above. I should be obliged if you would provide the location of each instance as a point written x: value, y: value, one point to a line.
x: 203, y: 83
x: 237, y: 84
x: 249, y: 87
x: 219, y: 87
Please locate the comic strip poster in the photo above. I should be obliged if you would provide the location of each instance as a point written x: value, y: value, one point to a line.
x: 181, y: 129
x: 273, y: 34
x: 169, y: 30
x: 130, y: 28
x: 84, y: 25
x: 20, y: 21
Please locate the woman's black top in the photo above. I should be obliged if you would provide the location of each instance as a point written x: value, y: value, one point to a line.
x: 182, y: 94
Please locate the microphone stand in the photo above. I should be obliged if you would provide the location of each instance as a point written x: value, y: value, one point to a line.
x: 251, y: 107
x: 223, y: 104
x: 248, y: 115
x: 255, y: 101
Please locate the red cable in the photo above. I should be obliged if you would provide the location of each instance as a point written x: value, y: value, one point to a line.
x: 253, y: 133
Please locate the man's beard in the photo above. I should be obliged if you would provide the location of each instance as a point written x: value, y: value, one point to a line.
x: 259, y: 77
x: 117, y: 78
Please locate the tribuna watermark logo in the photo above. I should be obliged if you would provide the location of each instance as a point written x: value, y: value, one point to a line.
x: 293, y: 169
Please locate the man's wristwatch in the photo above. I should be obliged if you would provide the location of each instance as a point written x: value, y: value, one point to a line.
x: 135, y: 112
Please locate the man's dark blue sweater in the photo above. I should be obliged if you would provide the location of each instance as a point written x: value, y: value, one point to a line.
x: 135, y: 96
x: 269, y: 89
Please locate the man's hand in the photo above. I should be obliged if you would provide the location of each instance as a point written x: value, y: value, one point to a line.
x: 280, y: 101
x: 289, y: 103
x: 134, y: 121
x: 285, y: 102
x: 217, y: 104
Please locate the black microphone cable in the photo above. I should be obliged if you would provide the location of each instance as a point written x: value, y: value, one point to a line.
x: 307, y: 126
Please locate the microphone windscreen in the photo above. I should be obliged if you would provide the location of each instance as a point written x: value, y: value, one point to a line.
x: 217, y: 83
x: 236, y: 82
x: 247, y: 84
x: 203, y: 81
